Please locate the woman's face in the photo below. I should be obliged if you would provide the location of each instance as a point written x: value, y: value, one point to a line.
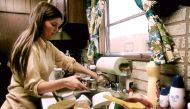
x: 50, y: 27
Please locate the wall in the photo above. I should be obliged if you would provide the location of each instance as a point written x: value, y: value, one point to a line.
x: 178, y: 26
x: 13, y: 20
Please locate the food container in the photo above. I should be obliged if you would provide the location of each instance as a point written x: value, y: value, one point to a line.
x: 90, y: 83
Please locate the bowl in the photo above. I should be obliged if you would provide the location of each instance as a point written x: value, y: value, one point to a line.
x: 64, y: 104
x: 99, y: 101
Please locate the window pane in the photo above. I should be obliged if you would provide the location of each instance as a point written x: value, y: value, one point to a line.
x: 130, y: 36
x: 119, y: 9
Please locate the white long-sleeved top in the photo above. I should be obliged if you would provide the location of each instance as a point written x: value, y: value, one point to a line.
x: 44, y: 55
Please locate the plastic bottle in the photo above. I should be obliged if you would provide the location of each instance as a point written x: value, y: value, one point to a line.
x: 177, y: 93
x: 164, y: 99
x: 67, y: 53
x: 153, y: 72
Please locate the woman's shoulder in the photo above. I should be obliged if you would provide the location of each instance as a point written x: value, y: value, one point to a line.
x: 50, y: 45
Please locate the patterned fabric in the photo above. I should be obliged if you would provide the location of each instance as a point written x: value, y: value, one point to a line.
x: 94, y: 10
x: 162, y: 46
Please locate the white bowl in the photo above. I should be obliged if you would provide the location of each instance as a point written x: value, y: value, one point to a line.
x: 98, y: 100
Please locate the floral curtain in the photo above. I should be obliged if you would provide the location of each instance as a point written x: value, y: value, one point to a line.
x: 94, y: 10
x: 163, y: 49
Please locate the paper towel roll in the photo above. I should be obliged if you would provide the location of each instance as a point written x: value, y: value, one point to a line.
x: 110, y: 64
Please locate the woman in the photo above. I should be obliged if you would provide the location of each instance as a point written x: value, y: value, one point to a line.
x: 33, y: 58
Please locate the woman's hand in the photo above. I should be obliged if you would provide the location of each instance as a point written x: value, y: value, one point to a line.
x: 144, y: 101
x: 73, y: 83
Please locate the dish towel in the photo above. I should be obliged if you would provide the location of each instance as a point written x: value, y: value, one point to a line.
x: 162, y: 47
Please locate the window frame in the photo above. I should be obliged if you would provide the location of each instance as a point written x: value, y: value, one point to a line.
x: 105, y: 46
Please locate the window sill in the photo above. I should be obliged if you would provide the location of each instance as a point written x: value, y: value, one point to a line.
x: 131, y: 56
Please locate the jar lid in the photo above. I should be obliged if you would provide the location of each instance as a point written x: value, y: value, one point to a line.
x: 91, y: 79
x: 92, y: 66
x: 164, y: 90
x: 177, y: 81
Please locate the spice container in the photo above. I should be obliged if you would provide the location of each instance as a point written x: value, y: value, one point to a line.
x: 90, y: 83
x: 92, y: 67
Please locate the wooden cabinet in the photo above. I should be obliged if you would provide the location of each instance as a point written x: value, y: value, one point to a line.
x: 18, y: 6
x: 75, y: 34
x: 75, y: 10
x: 13, y: 20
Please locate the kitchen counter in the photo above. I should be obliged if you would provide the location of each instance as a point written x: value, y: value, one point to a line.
x: 48, y: 98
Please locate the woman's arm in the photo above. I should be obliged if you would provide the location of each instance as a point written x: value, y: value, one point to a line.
x: 70, y: 64
x: 71, y: 82
x: 81, y: 69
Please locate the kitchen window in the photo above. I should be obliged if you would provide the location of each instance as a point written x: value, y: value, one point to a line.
x: 126, y: 29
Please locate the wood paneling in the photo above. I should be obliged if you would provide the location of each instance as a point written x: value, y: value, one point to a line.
x: 11, y: 26
x: 34, y: 2
x: 9, y: 5
x: 2, y: 5
x: 13, y: 20
x: 27, y: 6
x: 60, y: 4
x: 76, y: 11
x: 18, y: 6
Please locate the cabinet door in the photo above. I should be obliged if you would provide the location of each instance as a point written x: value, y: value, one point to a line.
x: 76, y: 11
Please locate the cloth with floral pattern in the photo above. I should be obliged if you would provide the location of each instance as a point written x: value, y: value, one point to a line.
x: 162, y: 46
x: 94, y: 10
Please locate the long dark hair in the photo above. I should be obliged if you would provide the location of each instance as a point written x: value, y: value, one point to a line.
x: 19, y: 56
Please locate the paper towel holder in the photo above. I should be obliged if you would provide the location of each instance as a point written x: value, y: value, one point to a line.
x: 119, y: 76
x: 114, y: 65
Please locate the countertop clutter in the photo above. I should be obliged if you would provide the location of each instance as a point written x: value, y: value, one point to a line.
x: 97, y: 99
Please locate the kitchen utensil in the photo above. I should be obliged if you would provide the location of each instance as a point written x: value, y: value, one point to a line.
x: 127, y: 105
